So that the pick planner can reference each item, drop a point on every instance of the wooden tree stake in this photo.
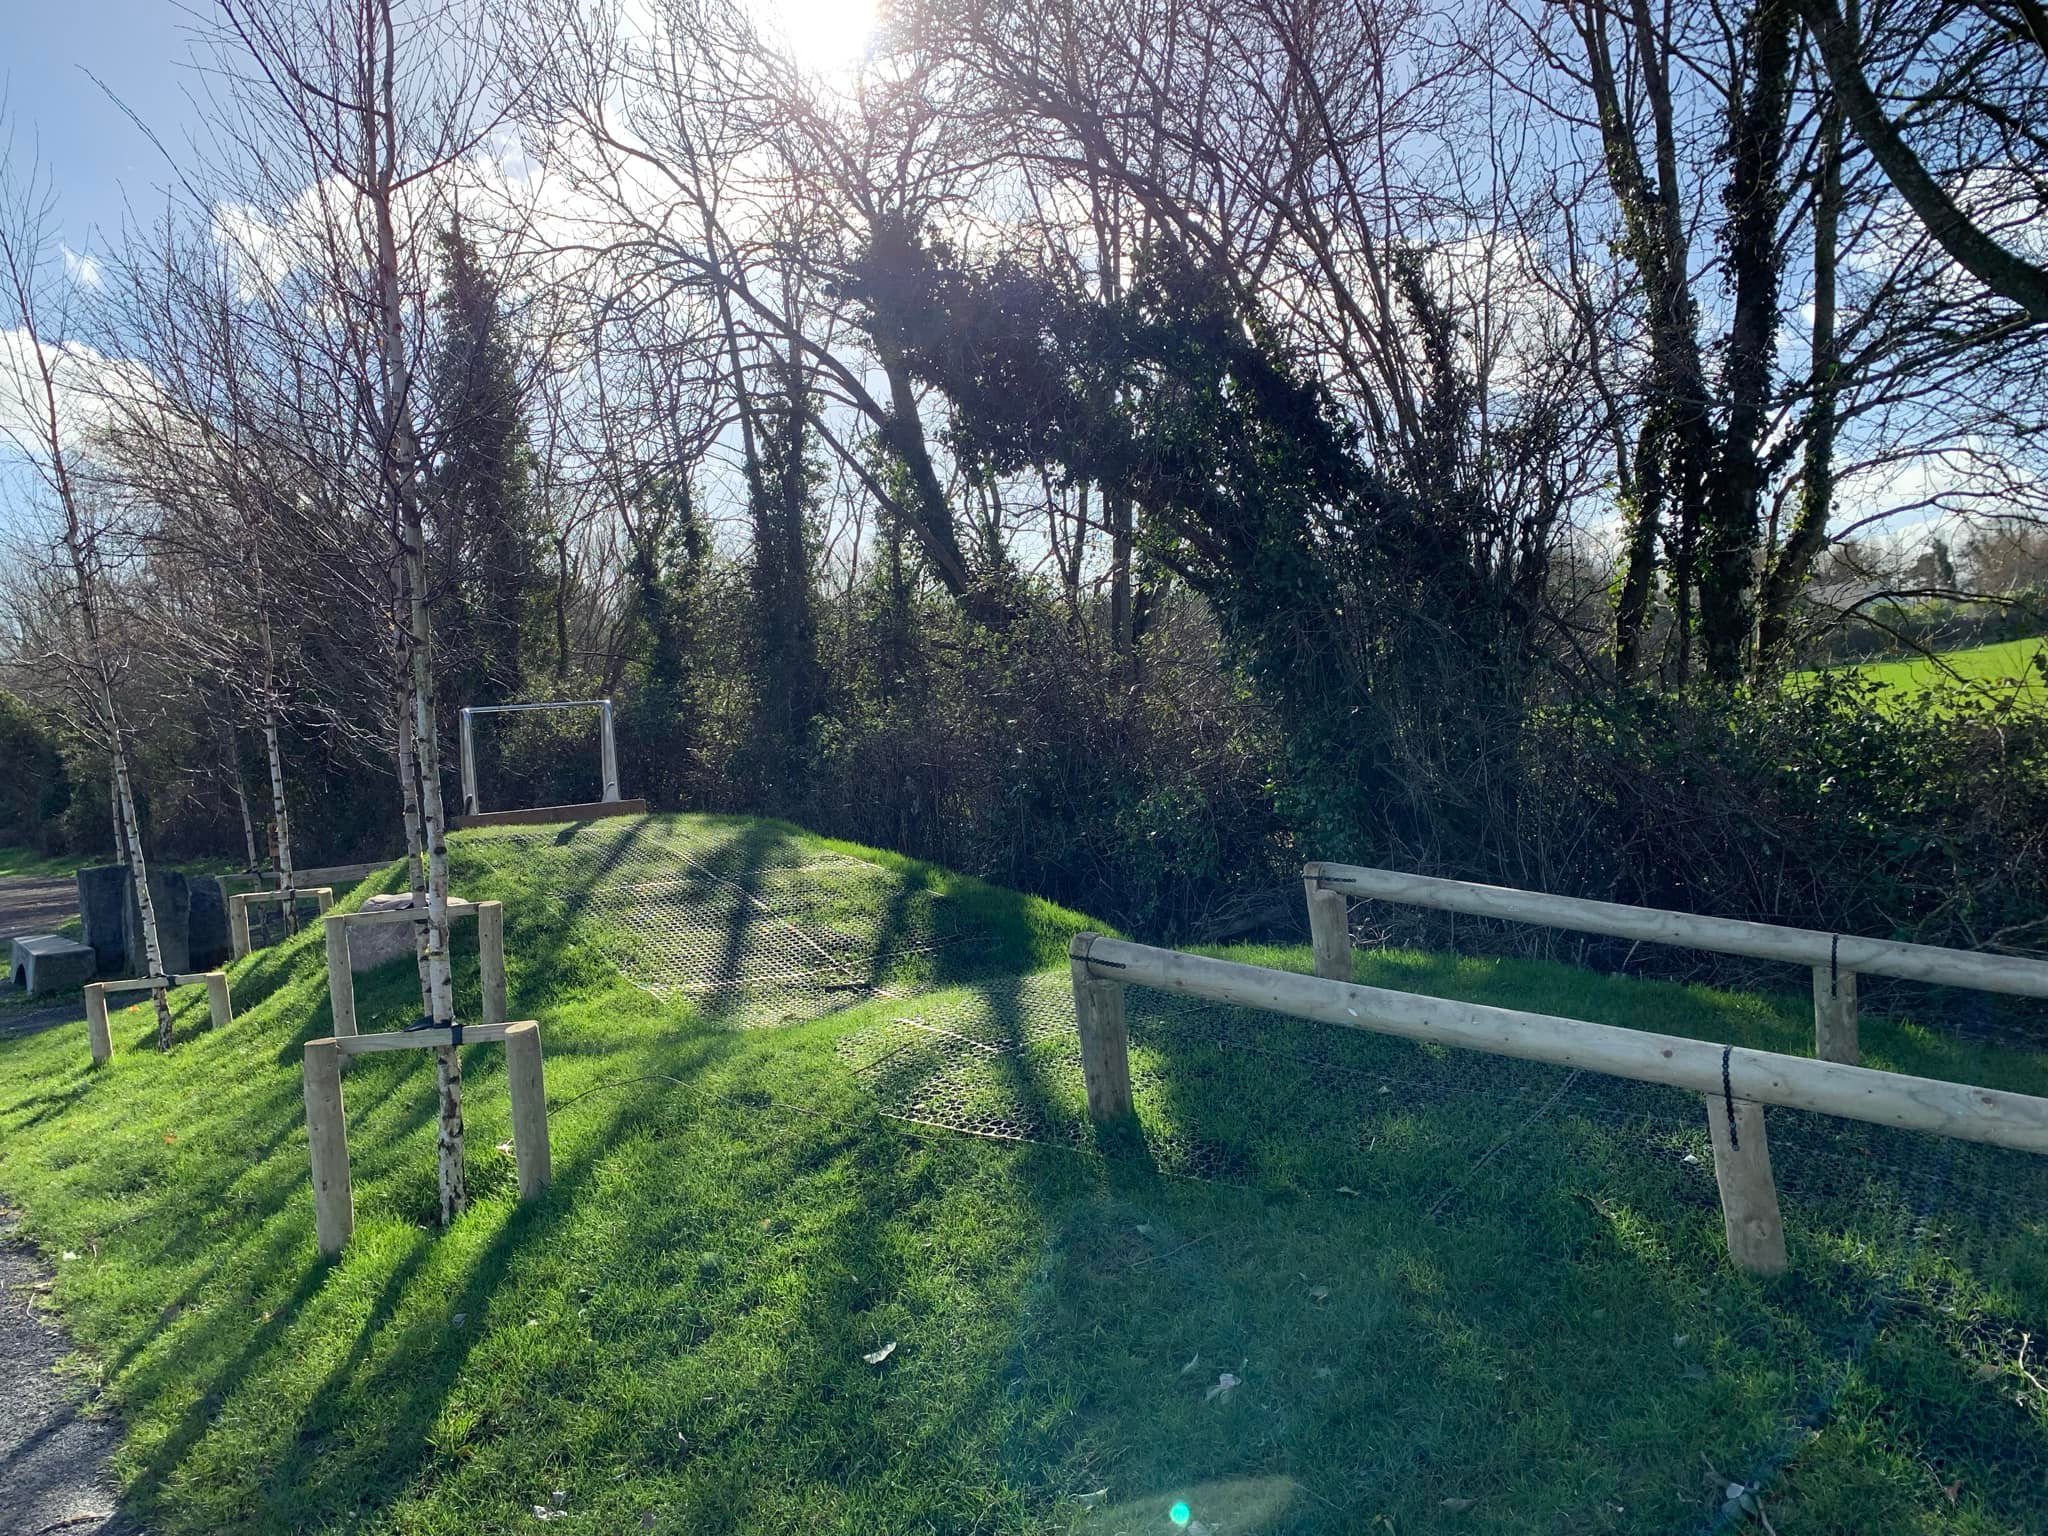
(341, 977)
(528, 1085)
(218, 1003)
(97, 1033)
(334, 1206)
(490, 951)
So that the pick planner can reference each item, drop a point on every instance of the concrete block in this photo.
(207, 931)
(373, 944)
(172, 895)
(46, 962)
(102, 911)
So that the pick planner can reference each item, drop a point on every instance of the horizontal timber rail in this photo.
(1735, 1082)
(1835, 958)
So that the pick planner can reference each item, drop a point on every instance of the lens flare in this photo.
(1180, 1514)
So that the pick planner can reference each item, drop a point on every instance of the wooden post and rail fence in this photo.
(1735, 1083)
(1835, 959)
(490, 945)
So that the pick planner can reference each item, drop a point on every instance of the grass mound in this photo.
(1412, 1292)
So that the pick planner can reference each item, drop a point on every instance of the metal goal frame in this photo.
(607, 746)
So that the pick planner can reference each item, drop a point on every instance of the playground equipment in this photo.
(473, 813)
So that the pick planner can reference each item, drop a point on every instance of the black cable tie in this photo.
(1728, 1098)
(1834, 965)
(454, 1032)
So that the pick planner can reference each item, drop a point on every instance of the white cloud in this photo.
(83, 267)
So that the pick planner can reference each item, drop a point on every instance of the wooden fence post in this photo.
(341, 976)
(1105, 1043)
(1329, 928)
(97, 1034)
(218, 1002)
(1749, 1198)
(490, 953)
(1834, 1015)
(334, 1206)
(528, 1084)
(238, 925)
(323, 899)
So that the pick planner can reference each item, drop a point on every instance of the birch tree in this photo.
(40, 425)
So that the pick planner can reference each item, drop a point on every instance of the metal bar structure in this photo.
(608, 752)
(1833, 958)
(1734, 1082)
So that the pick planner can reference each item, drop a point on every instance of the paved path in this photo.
(53, 1453)
(35, 906)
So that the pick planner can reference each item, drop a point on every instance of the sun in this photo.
(825, 35)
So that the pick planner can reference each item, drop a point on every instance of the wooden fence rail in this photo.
(1734, 1082)
(1834, 958)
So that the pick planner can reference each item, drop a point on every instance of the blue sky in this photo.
(91, 151)
(98, 163)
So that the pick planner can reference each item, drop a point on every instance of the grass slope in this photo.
(674, 1337)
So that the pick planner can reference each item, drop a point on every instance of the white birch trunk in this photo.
(281, 819)
(234, 766)
(399, 438)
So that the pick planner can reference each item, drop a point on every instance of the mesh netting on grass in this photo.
(760, 928)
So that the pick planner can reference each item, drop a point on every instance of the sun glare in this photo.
(825, 35)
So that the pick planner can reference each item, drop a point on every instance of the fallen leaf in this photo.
(881, 1354)
(1319, 1294)
(1953, 1489)
(1224, 1383)
(1458, 1506)
(1346, 1189)
(1090, 1500)
(1144, 1229)
(505, 1147)
(1989, 1372)
(170, 1138)
(1191, 1365)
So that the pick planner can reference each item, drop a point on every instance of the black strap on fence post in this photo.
(1728, 1099)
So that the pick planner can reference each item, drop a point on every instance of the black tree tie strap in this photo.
(1728, 1098)
(1834, 965)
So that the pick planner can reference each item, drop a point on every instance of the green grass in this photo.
(26, 863)
(674, 1335)
(2011, 670)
